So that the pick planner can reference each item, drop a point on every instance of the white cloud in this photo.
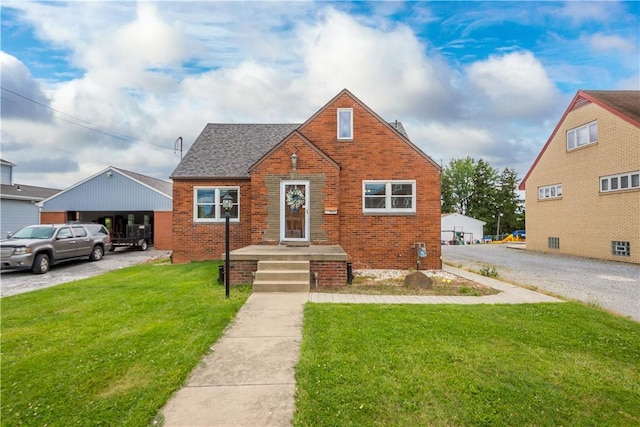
(605, 43)
(389, 66)
(515, 85)
(22, 96)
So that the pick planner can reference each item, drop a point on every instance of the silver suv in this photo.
(37, 247)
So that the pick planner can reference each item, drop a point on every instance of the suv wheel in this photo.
(41, 264)
(96, 253)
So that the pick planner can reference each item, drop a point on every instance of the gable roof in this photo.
(165, 188)
(305, 141)
(397, 127)
(228, 150)
(622, 103)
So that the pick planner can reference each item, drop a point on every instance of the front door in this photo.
(294, 211)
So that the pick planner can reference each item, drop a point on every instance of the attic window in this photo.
(345, 124)
(582, 135)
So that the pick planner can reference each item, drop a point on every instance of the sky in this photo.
(92, 84)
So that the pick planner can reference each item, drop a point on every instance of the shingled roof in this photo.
(164, 187)
(626, 102)
(227, 150)
(27, 192)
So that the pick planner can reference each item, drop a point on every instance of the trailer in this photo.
(136, 235)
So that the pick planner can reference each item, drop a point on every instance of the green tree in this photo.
(457, 185)
(476, 189)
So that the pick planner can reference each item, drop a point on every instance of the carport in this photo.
(118, 199)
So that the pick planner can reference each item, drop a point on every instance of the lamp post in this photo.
(498, 228)
(227, 204)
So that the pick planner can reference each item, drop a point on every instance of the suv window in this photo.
(96, 229)
(64, 233)
(79, 231)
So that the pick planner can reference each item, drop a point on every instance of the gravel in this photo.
(614, 286)
(19, 281)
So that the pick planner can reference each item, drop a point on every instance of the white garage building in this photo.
(460, 229)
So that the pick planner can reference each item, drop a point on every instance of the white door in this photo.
(294, 211)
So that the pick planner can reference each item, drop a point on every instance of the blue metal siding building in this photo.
(116, 198)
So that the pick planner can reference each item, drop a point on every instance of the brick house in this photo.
(345, 182)
(583, 190)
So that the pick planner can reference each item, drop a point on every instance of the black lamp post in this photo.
(227, 204)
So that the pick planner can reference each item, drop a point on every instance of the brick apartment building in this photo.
(344, 177)
(583, 191)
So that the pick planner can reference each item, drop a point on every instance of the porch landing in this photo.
(282, 252)
(271, 268)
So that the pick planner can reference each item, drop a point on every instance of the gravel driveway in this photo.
(613, 286)
(17, 282)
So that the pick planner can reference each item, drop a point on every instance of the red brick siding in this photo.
(330, 273)
(310, 162)
(53, 217)
(377, 153)
(163, 230)
(197, 241)
(241, 272)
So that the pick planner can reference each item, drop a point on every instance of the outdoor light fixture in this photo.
(294, 161)
(227, 204)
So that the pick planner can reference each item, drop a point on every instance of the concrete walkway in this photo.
(248, 378)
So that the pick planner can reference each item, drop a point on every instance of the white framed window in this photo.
(620, 182)
(345, 123)
(582, 135)
(389, 197)
(550, 192)
(207, 204)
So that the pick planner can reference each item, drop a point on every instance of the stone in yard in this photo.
(418, 280)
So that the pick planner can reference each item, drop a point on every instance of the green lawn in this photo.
(509, 365)
(109, 350)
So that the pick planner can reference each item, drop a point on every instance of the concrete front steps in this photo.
(282, 276)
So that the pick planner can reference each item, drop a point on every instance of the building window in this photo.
(554, 243)
(550, 192)
(620, 248)
(345, 123)
(389, 197)
(620, 182)
(207, 205)
(582, 135)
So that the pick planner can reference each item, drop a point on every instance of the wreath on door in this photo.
(294, 199)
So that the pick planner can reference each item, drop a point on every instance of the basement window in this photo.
(554, 243)
(620, 248)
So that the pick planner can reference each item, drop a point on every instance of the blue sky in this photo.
(90, 84)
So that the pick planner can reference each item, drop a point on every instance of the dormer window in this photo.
(345, 124)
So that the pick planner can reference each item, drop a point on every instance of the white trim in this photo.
(218, 214)
(547, 192)
(307, 210)
(389, 209)
(575, 143)
(350, 136)
(630, 176)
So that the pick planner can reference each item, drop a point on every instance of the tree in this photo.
(457, 185)
(476, 189)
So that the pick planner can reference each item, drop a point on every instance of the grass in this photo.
(109, 350)
(508, 365)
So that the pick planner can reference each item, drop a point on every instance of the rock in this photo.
(418, 280)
